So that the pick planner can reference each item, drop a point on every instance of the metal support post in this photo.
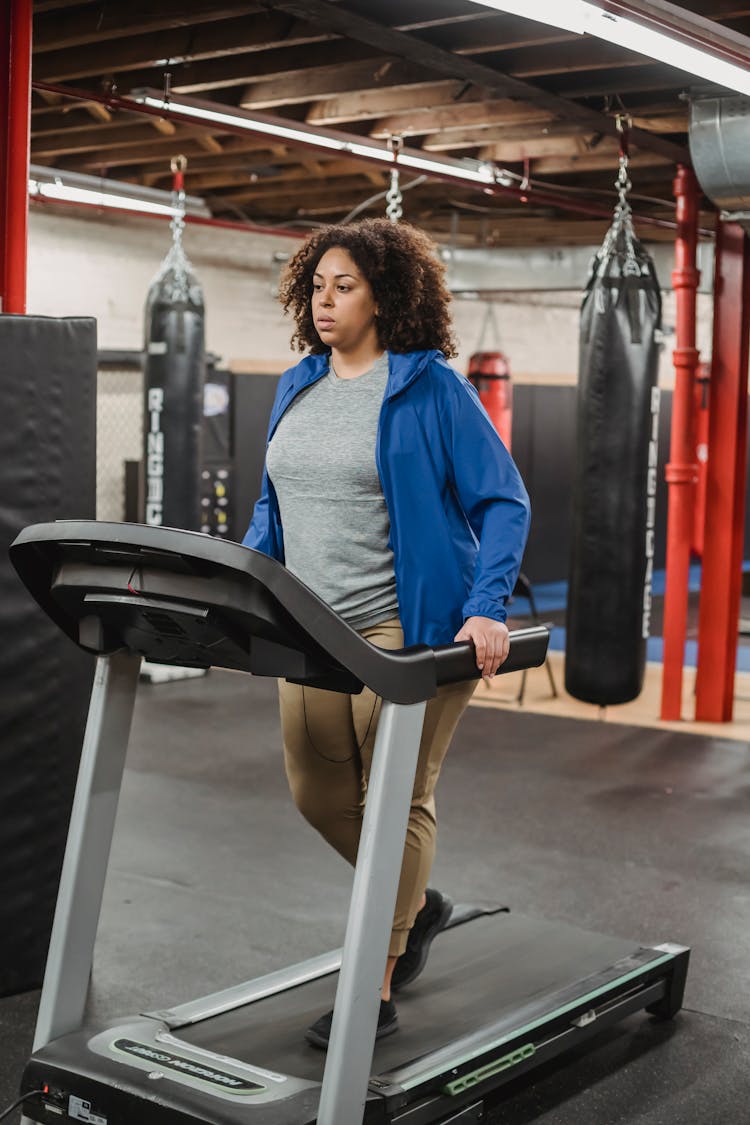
(15, 84)
(373, 901)
(725, 487)
(92, 822)
(682, 471)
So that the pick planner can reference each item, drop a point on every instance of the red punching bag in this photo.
(489, 372)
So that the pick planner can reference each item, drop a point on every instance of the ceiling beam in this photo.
(356, 106)
(541, 136)
(651, 79)
(369, 76)
(333, 18)
(98, 136)
(584, 54)
(225, 38)
(205, 75)
(156, 152)
(98, 22)
(588, 162)
(294, 175)
(265, 43)
(478, 114)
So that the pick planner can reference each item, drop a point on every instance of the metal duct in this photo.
(719, 139)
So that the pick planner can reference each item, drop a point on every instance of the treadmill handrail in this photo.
(404, 676)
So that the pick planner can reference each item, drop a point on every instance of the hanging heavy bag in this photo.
(614, 484)
(175, 363)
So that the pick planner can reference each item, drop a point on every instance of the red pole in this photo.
(701, 406)
(682, 471)
(15, 80)
(721, 579)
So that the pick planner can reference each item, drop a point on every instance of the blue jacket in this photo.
(458, 510)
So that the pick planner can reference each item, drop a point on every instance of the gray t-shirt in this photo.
(321, 462)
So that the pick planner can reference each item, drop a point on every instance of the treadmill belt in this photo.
(478, 972)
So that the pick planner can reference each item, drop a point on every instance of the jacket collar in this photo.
(403, 369)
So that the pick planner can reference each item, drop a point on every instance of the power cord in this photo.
(19, 1101)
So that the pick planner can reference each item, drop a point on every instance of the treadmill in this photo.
(501, 994)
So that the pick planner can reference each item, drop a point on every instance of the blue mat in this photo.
(552, 596)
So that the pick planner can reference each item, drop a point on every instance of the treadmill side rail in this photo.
(237, 996)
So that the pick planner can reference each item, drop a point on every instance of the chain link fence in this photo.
(119, 428)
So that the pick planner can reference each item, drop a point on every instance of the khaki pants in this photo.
(329, 739)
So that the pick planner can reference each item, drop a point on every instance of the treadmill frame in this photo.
(373, 900)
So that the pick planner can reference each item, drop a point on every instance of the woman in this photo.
(387, 491)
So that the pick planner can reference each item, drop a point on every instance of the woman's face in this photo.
(343, 306)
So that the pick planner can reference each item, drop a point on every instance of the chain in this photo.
(176, 264)
(178, 164)
(621, 232)
(394, 198)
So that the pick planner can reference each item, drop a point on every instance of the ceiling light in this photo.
(73, 187)
(666, 46)
(328, 140)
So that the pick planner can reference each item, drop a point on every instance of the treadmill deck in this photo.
(482, 972)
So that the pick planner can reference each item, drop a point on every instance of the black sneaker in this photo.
(320, 1032)
(431, 919)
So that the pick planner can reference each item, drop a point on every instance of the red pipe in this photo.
(532, 194)
(721, 580)
(702, 411)
(15, 60)
(682, 471)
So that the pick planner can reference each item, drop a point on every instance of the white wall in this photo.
(102, 266)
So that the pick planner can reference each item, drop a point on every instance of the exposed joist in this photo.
(281, 178)
(663, 122)
(587, 162)
(584, 54)
(156, 153)
(475, 114)
(280, 41)
(53, 5)
(241, 69)
(529, 140)
(129, 136)
(492, 33)
(166, 128)
(99, 22)
(209, 143)
(299, 199)
(356, 106)
(456, 66)
(620, 82)
(651, 79)
(369, 76)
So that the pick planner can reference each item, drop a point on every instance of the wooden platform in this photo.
(643, 711)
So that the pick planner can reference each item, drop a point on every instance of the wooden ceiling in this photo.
(452, 78)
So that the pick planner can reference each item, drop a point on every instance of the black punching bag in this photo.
(175, 362)
(614, 484)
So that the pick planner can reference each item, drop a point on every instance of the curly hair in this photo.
(404, 272)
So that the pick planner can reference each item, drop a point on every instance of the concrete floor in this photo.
(640, 833)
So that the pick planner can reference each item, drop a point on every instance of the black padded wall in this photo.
(48, 465)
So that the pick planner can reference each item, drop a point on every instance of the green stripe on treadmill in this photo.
(426, 1075)
(466, 1081)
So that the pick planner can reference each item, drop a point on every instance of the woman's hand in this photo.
(491, 641)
